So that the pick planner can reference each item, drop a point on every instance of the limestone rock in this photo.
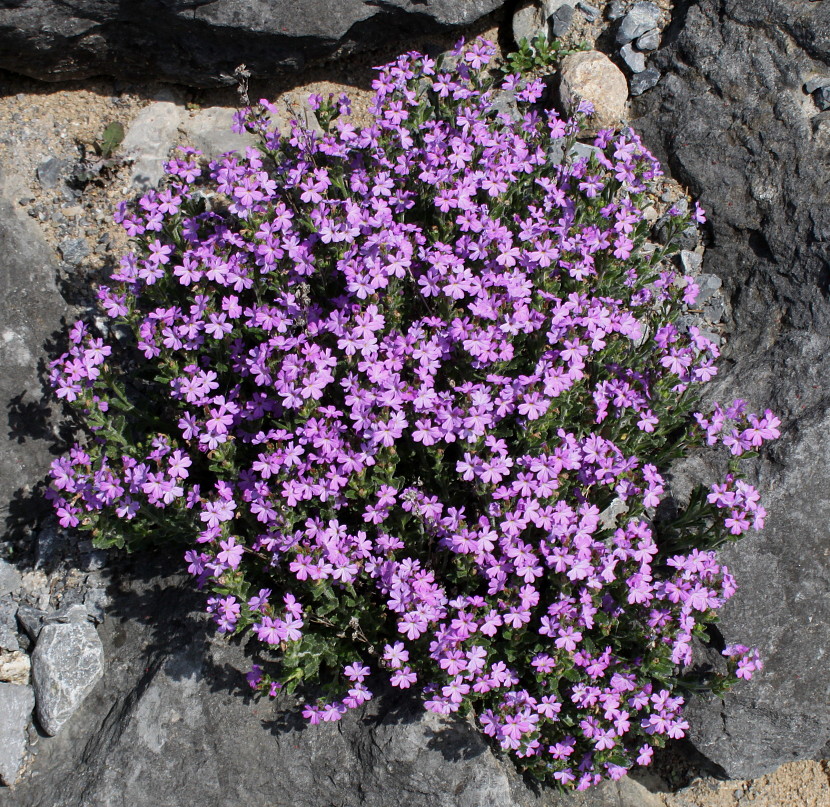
(592, 76)
(67, 663)
(149, 140)
(15, 667)
(9, 578)
(16, 704)
(529, 20)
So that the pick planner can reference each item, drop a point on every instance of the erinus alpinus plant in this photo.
(408, 393)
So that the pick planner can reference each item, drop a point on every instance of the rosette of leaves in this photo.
(407, 393)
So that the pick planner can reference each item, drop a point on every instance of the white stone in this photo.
(67, 663)
(209, 130)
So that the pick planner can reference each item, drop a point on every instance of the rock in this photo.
(96, 601)
(731, 112)
(67, 663)
(31, 312)
(636, 61)
(73, 614)
(201, 45)
(811, 85)
(149, 140)
(16, 704)
(9, 578)
(591, 12)
(529, 21)
(73, 250)
(561, 20)
(31, 620)
(649, 41)
(592, 76)
(52, 544)
(209, 130)
(49, 172)
(690, 262)
(642, 18)
(616, 10)
(822, 98)
(34, 588)
(15, 667)
(8, 624)
(645, 80)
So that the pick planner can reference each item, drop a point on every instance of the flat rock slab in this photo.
(201, 44)
(16, 704)
(67, 663)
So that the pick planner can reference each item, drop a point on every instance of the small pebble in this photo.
(650, 40)
(634, 59)
(640, 82)
(49, 172)
(642, 18)
(73, 250)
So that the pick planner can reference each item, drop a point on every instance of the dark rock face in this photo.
(30, 312)
(172, 723)
(731, 119)
(201, 43)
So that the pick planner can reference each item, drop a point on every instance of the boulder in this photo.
(732, 121)
(201, 44)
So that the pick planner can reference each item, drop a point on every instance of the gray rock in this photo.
(202, 44)
(73, 250)
(73, 614)
(591, 12)
(640, 82)
(16, 704)
(31, 311)
(31, 620)
(822, 98)
(691, 262)
(67, 663)
(649, 41)
(149, 141)
(636, 61)
(209, 130)
(642, 18)
(751, 152)
(52, 544)
(9, 578)
(50, 171)
(561, 20)
(616, 10)
(815, 82)
(529, 21)
(96, 601)
(8, 625)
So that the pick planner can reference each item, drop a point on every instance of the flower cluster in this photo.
(409, 392)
